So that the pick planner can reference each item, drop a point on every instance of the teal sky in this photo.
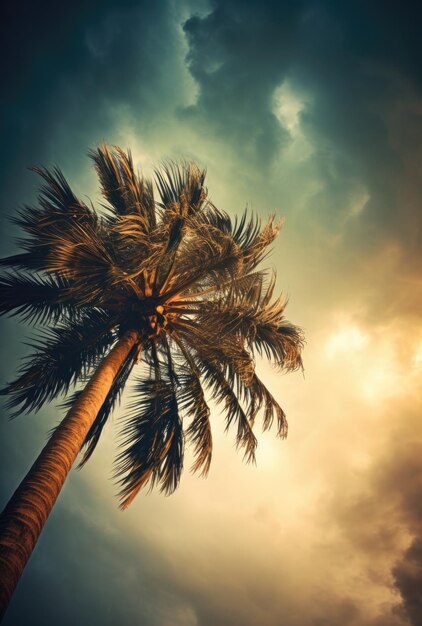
(309, 109)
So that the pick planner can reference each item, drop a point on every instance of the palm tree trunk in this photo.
(26, 513)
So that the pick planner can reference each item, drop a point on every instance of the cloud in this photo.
(359, 119)
(380, 514)
(408, 579)
(76, 72)
(238, 54)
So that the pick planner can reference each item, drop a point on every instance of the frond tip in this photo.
(159, 260)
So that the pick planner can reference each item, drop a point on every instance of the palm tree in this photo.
(173, 283)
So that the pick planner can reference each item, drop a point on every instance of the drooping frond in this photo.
(193, 403)
(222, 392)
(63, 355)
(194, 406)
(152, 440)
(225, 367)
(263, 399)
(253, 314)
(283, 344)
(36, 298)
(228, 351)
(58, 210)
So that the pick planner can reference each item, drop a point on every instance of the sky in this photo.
(310, 109)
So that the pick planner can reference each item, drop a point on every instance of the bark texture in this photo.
(27, 511)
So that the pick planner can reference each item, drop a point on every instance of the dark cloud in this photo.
(357, 63)
(408, 579)
(358, 96)
(380, 509)
(238, 54)
(69, 69)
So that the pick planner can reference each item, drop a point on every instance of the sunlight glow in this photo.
(347, 339)
(381, 384)
(418, 356)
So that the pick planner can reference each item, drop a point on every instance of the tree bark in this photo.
(28, 509)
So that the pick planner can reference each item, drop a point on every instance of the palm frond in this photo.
(192, 401)
(124, 190)
(37, 299)
(58, 210)
(86, 258)
(261, 398)
(139, 253)
(256, 248)
(64, 354)
(193, 404)
(283, 344)
(210, 258)
(253, 314)
(57, 197)
(152, 441)
(222, 348)
(181, 189)
(243, 230)
(32, 261)
(222, 392)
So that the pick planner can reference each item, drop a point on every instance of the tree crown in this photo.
(173, 267)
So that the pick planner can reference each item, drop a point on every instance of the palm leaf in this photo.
(57, 197)
(262, 398)
(153, 441)
(243, 230)
(107, 165)
(58, 210)
(124, 190)
(64, 354)
(192, 402)
(211, 258)
(181, 189)
(36, 298)
(222, 392)
(251, 313)
(33, 260)
(255, 250)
